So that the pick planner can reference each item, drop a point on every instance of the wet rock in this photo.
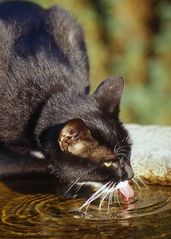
(151, 153)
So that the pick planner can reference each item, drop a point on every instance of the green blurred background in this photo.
(131, 38)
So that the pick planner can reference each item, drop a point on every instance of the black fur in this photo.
(44, 83)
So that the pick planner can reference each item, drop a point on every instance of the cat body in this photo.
(45, 104)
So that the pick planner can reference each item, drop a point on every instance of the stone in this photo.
(151, 153)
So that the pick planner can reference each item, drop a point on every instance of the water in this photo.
(35, 209)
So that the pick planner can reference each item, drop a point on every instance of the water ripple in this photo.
(48, 215)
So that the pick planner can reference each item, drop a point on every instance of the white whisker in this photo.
(95, 195)
(114, 195)
(122, 150)
(133, 164)
(117, 198)
(87, 208)
(111, 196)
(136, 183)
(122, 155)
(142, 182)
(109, 201)
(72, 185)
(77, 190)
(104, 195)
(116, 148)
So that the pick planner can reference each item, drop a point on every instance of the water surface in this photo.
(34, 208)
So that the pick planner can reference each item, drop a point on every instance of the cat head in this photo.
(90, 145)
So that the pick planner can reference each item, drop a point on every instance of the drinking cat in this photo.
(46, 111)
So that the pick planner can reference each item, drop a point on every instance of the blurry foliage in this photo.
(131, 38)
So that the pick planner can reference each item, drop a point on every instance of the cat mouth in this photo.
(124, 188)
(104, 191)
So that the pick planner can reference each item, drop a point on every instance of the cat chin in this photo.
(95, 185)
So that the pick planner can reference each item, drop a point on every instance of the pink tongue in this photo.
(126, 190)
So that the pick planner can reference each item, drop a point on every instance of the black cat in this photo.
(45, 109)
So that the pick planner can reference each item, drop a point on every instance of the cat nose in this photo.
(129, 172)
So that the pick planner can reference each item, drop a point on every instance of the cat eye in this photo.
(108, 164)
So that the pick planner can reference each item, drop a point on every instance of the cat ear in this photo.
(72, 135)
(109, 93)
